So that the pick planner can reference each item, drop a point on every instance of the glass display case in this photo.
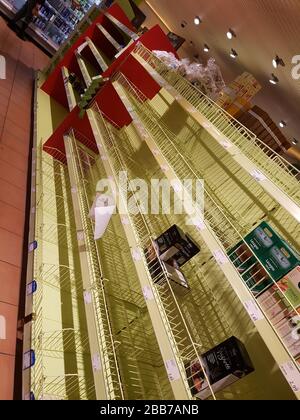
(56, 20)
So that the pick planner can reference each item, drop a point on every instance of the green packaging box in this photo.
(273, 252)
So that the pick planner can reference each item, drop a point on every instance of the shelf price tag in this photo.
(258, 176)
(32, 246)
(147, 292)
(253, 310)
(226, 144)
(220, 257)
(136, 254)
(28, 359)
(292, 375)
(87, 297)
(172, 370)
(96, 362)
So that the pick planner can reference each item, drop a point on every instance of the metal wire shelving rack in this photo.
(224, 233)
(265, 166)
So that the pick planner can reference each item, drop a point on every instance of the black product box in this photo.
(224, 364)
(187, 252)
(170, 242)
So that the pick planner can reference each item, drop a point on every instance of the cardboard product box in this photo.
(179, 282)
(290, 286)
(289, 331)
(269, 298)
(187, 252)
(170, 242)
(224, 364)
(256, 278)
(273, 252)
(241, 256)
(253, 274)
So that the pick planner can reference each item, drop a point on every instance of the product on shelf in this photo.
(253, 274)
(175, 244)
(284, 318)
(273, 252)
(208, 78)
(237, 96)
(160, 269)
(224, 364)
(290, 286)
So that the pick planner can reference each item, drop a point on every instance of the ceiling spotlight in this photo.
(206, 48)
(274, 80)
(282, 124)
(277, 61)
(233, 53)
(295, 141)
(231, 34)
(197, 20)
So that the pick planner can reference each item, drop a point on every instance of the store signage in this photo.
(2, 67)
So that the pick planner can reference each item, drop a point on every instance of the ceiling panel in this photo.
(264, 28)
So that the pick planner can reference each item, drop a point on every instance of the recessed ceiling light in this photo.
(295, 141)
(233, 53)
(206, 48)
(277, 61)
(183, 24)
(282, 124)
(231, 34)
(274, 80)
(197, 20)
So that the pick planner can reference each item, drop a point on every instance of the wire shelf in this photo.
(226, 231)
(80, 166)
(184, 346)
(274, 166)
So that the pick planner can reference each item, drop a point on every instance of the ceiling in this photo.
(264, 28)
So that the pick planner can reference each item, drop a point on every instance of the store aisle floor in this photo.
(22, 59)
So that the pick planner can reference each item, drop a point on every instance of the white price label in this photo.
(147, 292)
(258, 176)
(206, 125)
(220, 257)
(33, 210)
(125, 221)
(164, 168)
(96, 362)
(172, 370)
(292, 375)
(80, 236)
(226, 145)
(198, 223)
(103, 157)
(99, 145)
(136, 254)
(87, 297)
(253, 310)
(156, 152)
(74, 190)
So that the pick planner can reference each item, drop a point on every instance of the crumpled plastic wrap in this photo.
(207, 78)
